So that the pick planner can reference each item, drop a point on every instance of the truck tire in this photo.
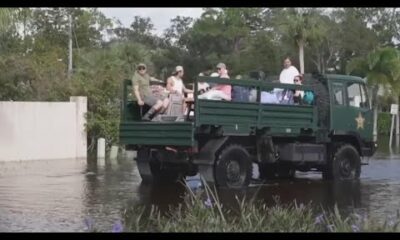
(233, 168)
(321, 100)
(151, 169)
(344, 165)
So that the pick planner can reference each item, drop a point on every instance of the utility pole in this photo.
(70, 47)
(394, 110)
(397, 130)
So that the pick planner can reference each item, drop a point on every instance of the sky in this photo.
(160, 17)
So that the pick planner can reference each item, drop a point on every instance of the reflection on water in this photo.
(59, 195)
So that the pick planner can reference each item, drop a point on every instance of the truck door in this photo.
(350, 110)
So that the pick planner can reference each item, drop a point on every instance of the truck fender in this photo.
(350, 137)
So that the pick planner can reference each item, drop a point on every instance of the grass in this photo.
(202, 211)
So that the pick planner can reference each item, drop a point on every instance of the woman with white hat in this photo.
(175, 82)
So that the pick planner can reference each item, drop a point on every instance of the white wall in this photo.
(42, 130)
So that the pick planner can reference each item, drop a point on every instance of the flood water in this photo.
(58, 195)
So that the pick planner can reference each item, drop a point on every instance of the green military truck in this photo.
(223, 139)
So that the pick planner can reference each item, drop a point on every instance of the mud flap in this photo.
(207, 172)
(206, 158)
(265, 150)
(143, 165)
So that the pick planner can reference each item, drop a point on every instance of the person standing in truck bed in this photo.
(175, 85)
(289, 72)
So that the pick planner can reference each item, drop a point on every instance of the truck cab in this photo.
(224, 139)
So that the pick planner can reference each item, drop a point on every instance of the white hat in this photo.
(178, 68)
(221, 65)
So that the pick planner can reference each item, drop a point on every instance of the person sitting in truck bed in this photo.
(219, 91)
(302, 97)
(143, 94)
(203, 87)
(290, 96)
(278, 95)
(298, 94)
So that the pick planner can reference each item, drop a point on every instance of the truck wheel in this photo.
(345, 165)
(233, 168)
(152, 169)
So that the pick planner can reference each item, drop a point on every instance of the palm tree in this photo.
(382, 69)
(300, 25)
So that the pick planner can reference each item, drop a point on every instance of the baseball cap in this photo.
(141, 65)
(178, 68)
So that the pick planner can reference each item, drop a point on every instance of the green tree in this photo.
(178, 31)
(354, 37)
(140, 31)
(6, 18)
(51, 27)
(225, 35)
(323, 48)
(300, 26)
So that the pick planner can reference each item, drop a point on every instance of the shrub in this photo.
(384, 122)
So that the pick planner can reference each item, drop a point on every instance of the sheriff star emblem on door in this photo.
(360, 121)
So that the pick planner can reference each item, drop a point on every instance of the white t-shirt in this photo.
(288, 74)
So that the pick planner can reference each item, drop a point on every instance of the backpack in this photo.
(308, 97)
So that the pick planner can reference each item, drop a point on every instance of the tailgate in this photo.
(156, 133)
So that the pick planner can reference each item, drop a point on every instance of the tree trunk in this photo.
(319, 65)
(301, 55)
(236, 45)
(375, 123)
